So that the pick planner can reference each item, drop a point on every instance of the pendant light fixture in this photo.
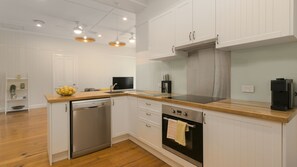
(85, 39)
(117, 43)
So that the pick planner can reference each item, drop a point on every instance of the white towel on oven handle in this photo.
(171, 129)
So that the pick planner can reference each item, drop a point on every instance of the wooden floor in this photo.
(23, 143)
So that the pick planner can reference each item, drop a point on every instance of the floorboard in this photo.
(23, 143)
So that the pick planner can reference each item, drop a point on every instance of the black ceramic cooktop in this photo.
(196, 99)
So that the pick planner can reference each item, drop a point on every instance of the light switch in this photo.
(248, 88)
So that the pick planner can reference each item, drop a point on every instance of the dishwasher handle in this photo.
(89, 104)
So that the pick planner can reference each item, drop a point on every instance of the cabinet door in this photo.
(235, 141)
(247, 21)
(204, 26)
(149, 133)
(162, 35)
(183, 23)
(119, 116)
(59, 127)
(132, 112)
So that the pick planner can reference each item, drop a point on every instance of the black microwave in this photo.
(123, 83)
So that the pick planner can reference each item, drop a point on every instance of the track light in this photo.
(78, 29)
(132, 38)
(39, 23)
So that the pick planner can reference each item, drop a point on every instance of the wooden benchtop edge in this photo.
(259, 110)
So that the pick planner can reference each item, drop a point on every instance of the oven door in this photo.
(193, 151)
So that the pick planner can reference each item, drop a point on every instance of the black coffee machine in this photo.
(166, 84)
(166, 87)
(282, 94)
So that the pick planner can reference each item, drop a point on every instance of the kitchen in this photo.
(239, 64)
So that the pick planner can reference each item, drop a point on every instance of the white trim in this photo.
(33, 106)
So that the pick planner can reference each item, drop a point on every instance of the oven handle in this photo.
(189, 125)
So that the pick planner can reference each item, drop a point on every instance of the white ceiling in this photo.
(99, 16)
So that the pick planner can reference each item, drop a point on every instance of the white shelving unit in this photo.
(21, 94)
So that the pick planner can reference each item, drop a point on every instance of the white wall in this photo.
(149, 73)
(2, 94)
(258, 66)
(22, 53)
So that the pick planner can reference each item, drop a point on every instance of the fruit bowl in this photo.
(66, 91)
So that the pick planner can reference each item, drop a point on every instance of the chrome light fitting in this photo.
(78, 29)
(132, 39)
(39, 23)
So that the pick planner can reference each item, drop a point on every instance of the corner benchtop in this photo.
(260, 110)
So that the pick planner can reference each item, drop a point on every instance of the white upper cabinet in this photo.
(184, 23)
(162, 35)
(243, 23)
(195, 22)
(204, 20)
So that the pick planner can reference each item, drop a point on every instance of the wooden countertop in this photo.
(259, 110)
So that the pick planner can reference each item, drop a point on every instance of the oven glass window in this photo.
(194, 139)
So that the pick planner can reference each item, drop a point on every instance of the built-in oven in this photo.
(192, 149)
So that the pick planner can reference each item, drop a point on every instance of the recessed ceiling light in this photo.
(39, 23)
(85, 37)
(125, 18)
(99, 35)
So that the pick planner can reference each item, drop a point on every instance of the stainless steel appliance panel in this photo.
(193, 150)
(90, 126)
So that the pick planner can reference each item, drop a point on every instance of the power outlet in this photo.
(248, 88)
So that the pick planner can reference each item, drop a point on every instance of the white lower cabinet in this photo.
(59, 130)
(119, 116)
(150, 133)
(149, 127)
(229, 140)
(132, 114)
(236, 141)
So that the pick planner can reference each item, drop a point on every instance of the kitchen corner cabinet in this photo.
(162, 36)
(195, 22)
(243, 23)
(58, 127)
(231, 140)
(132, 112)
(119, 116)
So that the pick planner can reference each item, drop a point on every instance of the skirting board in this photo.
(34, 106)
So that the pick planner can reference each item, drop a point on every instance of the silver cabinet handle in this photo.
(218, 39)
(194, 38)
(147, 125)
(148, 114)
(204, 118)
(66, 107)
(172, 49)
(190, 36)
(148, 104)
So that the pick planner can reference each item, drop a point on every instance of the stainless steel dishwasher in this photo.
(90, 126)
